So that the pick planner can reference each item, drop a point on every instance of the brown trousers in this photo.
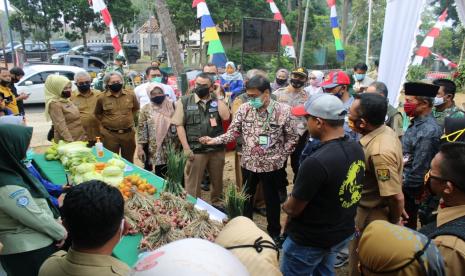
(124, 142)
(259, 198)
(194, 171)
(362, 219)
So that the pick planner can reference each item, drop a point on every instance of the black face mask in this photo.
(115, 87)
(281, 81)
(84, 88)
(158, 99)
(4, 83)
(202, 91)
(66, 94)
(297, 83)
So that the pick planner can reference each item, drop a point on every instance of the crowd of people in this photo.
(386, 196)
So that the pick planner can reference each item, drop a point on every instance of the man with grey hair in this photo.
(85, 98)
(282, 77)
(394, 118)
(115, 109)
(420, 143)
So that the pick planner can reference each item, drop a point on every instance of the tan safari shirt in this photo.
(116, 112)
(66, 122)
(452, 248)
(86, 105)
(383, 176)
(82, 264)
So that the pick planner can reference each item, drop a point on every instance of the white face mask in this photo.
(438, 101)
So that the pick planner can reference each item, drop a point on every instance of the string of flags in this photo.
(208, 27)
(99, 6)
(425, 49)
(286, 38)
(340, 53)
(444, 60)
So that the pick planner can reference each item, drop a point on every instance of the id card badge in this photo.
(264, 140)
(213, 122)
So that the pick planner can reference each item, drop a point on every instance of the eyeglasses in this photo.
(454, 136)
(429, 177)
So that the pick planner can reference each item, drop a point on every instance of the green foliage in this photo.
(234, 201)
(80, 18)
(459, 78)
(251, 61)
(123, 13)
(416, 73)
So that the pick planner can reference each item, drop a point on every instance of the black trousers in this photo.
(295, 156)
(160, 170)
(147, 162)
(26, 263)
(412, 204)
(271, 182)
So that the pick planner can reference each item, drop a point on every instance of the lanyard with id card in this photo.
(264, 140)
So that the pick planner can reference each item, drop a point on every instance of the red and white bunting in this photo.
(425, 48)
(100, 7)
(444, 60)
(286, 38)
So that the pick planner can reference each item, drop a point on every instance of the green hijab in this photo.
(14, 141)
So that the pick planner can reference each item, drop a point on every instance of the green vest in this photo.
(197, 122)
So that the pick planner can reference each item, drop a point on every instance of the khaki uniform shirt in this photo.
(26, 223)
(66, 122)
(86, 104)
(10, 98)
(452, 248)
(383, 176)
(293, 99)
(116, 112)
(76, 263)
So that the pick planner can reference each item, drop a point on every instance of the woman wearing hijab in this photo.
(61, 111)
(391, 250)
(155, 128)
(315, 78)
(28, 225)
(282, 80)
(232, 81)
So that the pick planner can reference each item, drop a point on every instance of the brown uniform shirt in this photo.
(84, 264)
(452, 248)
(66, 122)
(116, 112)
(383, 176)
(86, 104)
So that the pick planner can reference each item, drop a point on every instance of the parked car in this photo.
(60, 46)
(93, 65)
(105, 51)
(34, 79)
(34, 50)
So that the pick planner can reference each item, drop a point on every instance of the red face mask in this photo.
(410, 108)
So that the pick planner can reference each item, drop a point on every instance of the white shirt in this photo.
(367, 81)
(143, 98)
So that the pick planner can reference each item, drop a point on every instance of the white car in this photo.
(34, 79)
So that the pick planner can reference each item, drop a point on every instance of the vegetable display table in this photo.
(126, 250)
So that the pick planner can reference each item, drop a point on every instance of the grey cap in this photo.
(323, 106)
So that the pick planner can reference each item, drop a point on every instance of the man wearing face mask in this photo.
(93, 214)
(85, 99)
(420, 143)
(8, 96)
(362, 81)
(281, 81)
(201, 114)
(153, 75)
(115, 109)
(446, 179)
(269, 138)
(444, 104)
(382, 197)
(294, 95)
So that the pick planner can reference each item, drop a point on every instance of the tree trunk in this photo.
(84, 39)
(289, 5)
(299, 28)
(168, 31)
(347, 5)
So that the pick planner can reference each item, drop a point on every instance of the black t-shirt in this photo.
(331, 180)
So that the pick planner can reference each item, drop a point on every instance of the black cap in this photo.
(421, 89)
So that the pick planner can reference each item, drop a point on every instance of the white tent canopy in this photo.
(401, 25)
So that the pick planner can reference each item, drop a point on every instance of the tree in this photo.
(168, 31)
(16, 23)
(80, 17)
(43, 15)
(122, 12)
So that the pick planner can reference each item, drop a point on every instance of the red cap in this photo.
(335, 78)
(299, 111)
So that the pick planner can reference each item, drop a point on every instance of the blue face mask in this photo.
(157, 79)
(256, 102)
(359, 77)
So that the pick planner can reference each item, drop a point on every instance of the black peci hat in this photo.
(421, 89)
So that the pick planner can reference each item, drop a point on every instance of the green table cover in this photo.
(126, 250)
